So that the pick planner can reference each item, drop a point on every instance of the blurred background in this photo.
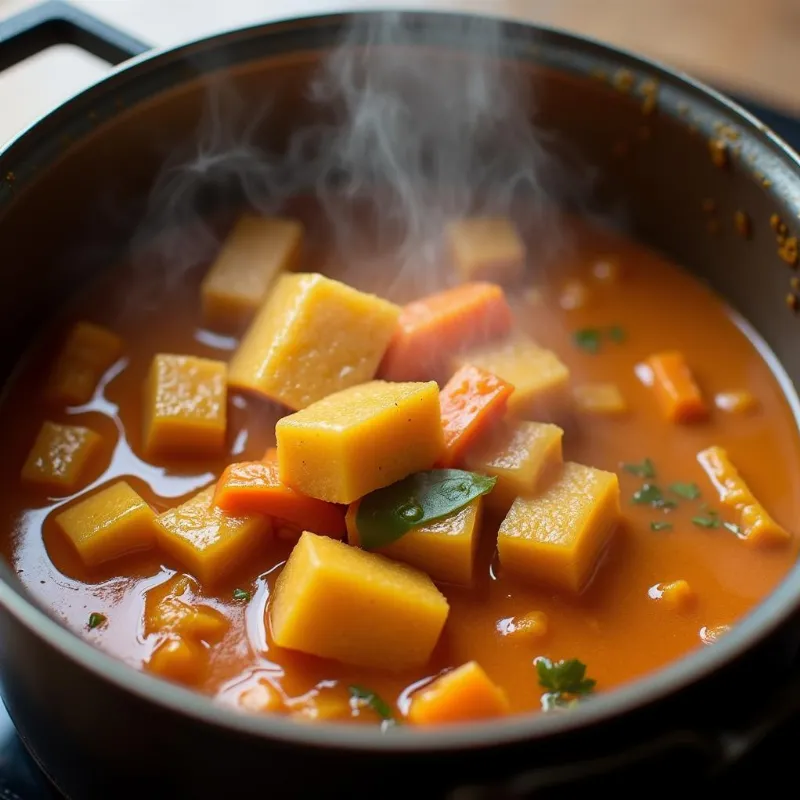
(751, 47)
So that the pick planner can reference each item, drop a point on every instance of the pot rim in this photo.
(768, 615)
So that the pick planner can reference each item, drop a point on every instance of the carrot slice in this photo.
(254, 487)
(463, 695)
(675, 389)
(472, 402)
(433, 328)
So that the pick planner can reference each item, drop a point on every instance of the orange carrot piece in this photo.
(472, 402)
(463, 695)
(254, 487)
(674, 386)
(430, 330)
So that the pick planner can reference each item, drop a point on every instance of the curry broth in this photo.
(616, 628)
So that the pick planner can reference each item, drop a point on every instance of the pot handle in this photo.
(57, 22)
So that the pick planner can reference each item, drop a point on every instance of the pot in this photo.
(73, 189)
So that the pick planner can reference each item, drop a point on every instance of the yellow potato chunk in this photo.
(676, 595)
(312, 337)
(520, 455)
(339, 602)
(445, 549)
(487, 249)
(755, 525)
(602, 399)
(256, 251)
(539, 378)
(205, 540)
(173, 607)
(185, 407)
(88, 352)
(60, 455)
(108, 524)
(179, 659)
(360, 439)
(557, 537)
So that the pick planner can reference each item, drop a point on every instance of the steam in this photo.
(412, 137)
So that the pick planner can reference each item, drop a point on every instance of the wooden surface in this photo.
(752, 46)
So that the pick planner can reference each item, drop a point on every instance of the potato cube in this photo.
(205, 540)
(601, 399)
(108, 524)
(487, 248)
(256, 251)
(60, 455)
(445, 549)
(312, 337)
(179, 659)
(172, 607)
(360, 439)
(86, 355)
(339, 602)
(185, 407)
(539, 377)
(519, 456)
(557, 537)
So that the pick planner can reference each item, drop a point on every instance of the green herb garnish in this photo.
(689, 491)
(587, 339)
(647, 469)
(616, 334)
(710, 520)
(660, 526)
(241, 594)
(374, 701)
(95, 620)
(565, 681)
(733, 528)
(649, 494)
(387, 514)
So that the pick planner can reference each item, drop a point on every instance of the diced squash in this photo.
(673, 384)
(557, 537)
(604, 399)
(675, 595)
(312, 337)
(206, 540)
(185, 409)
(255, 252)
(108, 524)
(339, 602)
(255, 487)
(487, 248)
(172, 607)
(60, 456)
(756, 526)
(466, 694)
(261, 698)
(472, 402)
(430, 330)
(539, 378)
(529, 627)
(360, 439)
(86, 355)
(736, 402)
(444, 549)
(179, 659)
(520, 455)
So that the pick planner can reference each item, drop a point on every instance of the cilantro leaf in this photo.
(241, 595)
(646, 469)
(649, 494)
(587, 339)
(689, 491)
(565, 677)
(711, 520)
(374, 701)
(95, 620)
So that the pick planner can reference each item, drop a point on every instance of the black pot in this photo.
(72, 190)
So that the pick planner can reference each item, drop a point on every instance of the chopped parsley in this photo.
(95, 620)
(709, 520)
(660, 526)
(241, 595)
(591, 339)
(565, 681)
(374, 701)
(649, 495)
(689, 491)
(647, 469)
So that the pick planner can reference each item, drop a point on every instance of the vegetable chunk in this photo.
(601, 399)
(465, 694)
(557, 537)
(255, 487)
(206, 540)
(487, 248)
(756, 526)
(430, 330)
(173, 607)
(472, 403)
(86, 355)
(312, 337)
(673, 384)
(539, 378)
(185, 406)
(256, 251)
(444, 549)
(519, 456)
(339, 602)
(60, 455)
(360, 439)
(108, 524)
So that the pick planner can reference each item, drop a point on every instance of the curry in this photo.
(277, 485)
